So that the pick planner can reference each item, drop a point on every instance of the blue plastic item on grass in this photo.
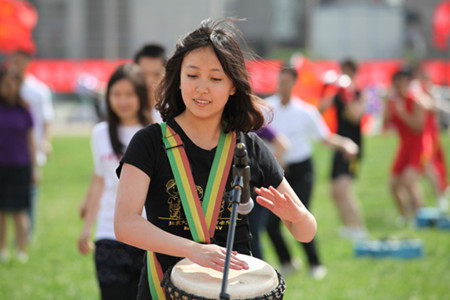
(428, 216)
(407, 249)
(401, 249)
(443, 223)
(371, 248)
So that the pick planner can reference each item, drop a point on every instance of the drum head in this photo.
(258, 280)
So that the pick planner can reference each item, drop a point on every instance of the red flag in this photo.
(441, 25)
(309, 84)
(17, 20)
(263, 75)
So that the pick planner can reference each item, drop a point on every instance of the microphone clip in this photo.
(238, 183)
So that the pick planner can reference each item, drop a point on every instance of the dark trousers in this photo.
(301, 177)
(118, 269)
(258, 219)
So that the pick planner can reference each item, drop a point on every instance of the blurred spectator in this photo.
(152, 59)
(435, 168)
(301, 123)
(118, 265)
(350, 108)
(17, 162)
(39, 98)
(408, 117)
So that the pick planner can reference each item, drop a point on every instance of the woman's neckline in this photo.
(185, 137)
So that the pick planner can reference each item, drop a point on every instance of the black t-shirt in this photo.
(344, 126)
(163, 205)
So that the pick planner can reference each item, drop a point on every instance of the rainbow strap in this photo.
(202, 218)
(155, 276)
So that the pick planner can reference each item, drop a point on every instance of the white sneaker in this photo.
(443, 204)
(318, 272)
(290, 267)
(22, 257)
(4, 256)
(401, 222)
(353, 233)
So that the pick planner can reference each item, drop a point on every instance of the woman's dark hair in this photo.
(133, 73)
(291, 71)
(5, 71)
(243, 110)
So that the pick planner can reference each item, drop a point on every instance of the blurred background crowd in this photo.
(77, 44)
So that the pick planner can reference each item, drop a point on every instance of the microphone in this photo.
(240, 163)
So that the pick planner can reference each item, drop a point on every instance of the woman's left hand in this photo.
(284, 203)
(281, 204)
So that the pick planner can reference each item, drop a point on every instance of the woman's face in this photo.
(124, 101)
(205, 87)
(401, 86)
(9, 87)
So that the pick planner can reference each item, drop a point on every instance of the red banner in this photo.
(80, 76)
(62, 75)
(377, 72)
(17, 20)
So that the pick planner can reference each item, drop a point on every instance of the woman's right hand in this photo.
(213, 256)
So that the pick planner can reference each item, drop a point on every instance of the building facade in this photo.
(330, 29)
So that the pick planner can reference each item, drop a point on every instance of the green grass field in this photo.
(57, 271)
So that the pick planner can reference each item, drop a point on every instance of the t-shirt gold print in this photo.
(174, 200)
(221, 220)
(175, 207)
(174, 203)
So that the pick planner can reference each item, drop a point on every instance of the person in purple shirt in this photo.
(17, 162)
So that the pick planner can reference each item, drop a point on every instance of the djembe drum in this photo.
(189, 281)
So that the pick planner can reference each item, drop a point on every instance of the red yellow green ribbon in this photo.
(201, 217)
(155, 276)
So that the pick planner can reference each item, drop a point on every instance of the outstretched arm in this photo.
(89, 211)
(349, 148)
(284, 203)
(131, 228)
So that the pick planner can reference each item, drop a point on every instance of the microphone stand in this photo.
(238, 185)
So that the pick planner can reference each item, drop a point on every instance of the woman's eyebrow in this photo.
(195, 67)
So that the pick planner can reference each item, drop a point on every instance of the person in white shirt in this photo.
(302, 124)
(39, 98)
(118, 265)
(152, 60)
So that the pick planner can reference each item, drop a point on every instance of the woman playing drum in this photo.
(205, 99)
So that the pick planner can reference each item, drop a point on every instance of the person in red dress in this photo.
(407, 115)
(435, 169)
